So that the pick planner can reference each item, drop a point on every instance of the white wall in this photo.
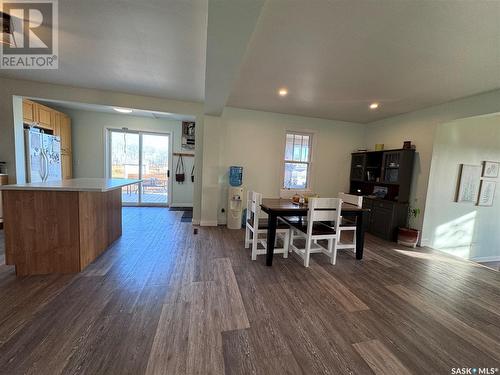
(11, 140)
(463, 229)
(88, 145)
(336, 140)
(420, 127)
(212, 147)
(256, 141)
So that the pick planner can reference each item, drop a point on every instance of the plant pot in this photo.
(408, 237)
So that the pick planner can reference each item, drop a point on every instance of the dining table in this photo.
(277, 207)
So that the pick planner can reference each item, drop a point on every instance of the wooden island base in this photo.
(59, 231)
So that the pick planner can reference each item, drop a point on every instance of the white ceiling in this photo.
(148, 47)
(230, 27)
(336, 57)
(109, 109)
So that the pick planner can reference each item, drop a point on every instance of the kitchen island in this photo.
(61, 226)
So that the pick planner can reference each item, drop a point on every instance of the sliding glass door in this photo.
(124, 151)
(144, 156)
(154, 153)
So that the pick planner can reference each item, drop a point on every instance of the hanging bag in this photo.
(180, 176)
(192, 174)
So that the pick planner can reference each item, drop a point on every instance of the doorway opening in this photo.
(145, 156)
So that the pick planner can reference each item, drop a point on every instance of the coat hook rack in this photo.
(182, 154)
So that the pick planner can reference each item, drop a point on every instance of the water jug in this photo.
(235, 175)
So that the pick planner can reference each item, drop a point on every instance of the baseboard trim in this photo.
(208, 223)
(183, 205)
(486, 259)
(195, 222)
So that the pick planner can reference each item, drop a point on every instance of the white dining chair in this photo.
(256, 228)
(348, 225)
(312, 229)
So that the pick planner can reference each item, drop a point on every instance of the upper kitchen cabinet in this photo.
(28, 111)
(43, 116)
(65, 131)
(37, 115)
(56, 123)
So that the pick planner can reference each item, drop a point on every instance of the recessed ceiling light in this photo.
(122, 110)
(374, 106)
(283, 92)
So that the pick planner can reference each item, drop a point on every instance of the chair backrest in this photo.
(249, 204)
(254, 201)
(352, 199)
(324, 209)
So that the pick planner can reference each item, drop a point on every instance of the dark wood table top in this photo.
(286, 205)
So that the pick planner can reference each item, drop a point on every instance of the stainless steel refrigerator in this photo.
(43, 156)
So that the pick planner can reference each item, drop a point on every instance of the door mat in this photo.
(180, 208)
(187, 216)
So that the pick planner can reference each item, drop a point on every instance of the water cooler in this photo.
(235, 198)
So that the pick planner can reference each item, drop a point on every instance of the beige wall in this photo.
(463, 229)
(420, 127)
(212, 146)
(88, 145)
(256, 141)
(11, 137)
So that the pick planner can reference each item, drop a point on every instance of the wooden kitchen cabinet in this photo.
(28, 111)
(44, 116)
(67, 166)
(4, 180)
(38, 115)
(66, 149)
(56, 123)
(65, 133)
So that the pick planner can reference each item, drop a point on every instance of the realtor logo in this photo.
(29, 37)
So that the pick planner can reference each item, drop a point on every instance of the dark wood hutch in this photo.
(384, 179)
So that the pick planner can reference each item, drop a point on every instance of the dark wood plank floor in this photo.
(164, 301)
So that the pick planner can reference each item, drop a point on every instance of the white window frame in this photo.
(308, 188)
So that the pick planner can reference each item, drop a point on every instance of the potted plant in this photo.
(408, 236)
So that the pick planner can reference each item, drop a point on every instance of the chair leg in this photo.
(255, 243)
(332, 249)
(247, 237)
(290, 241)
(307, 252)
(354, 241)
(286, 244)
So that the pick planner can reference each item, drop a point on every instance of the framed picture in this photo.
(188, 135)
(486, 193)
(490, 169)
(468, 183)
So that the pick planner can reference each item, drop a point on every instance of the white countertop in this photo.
(76, 184)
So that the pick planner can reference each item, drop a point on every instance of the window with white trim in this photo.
(298, 148)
